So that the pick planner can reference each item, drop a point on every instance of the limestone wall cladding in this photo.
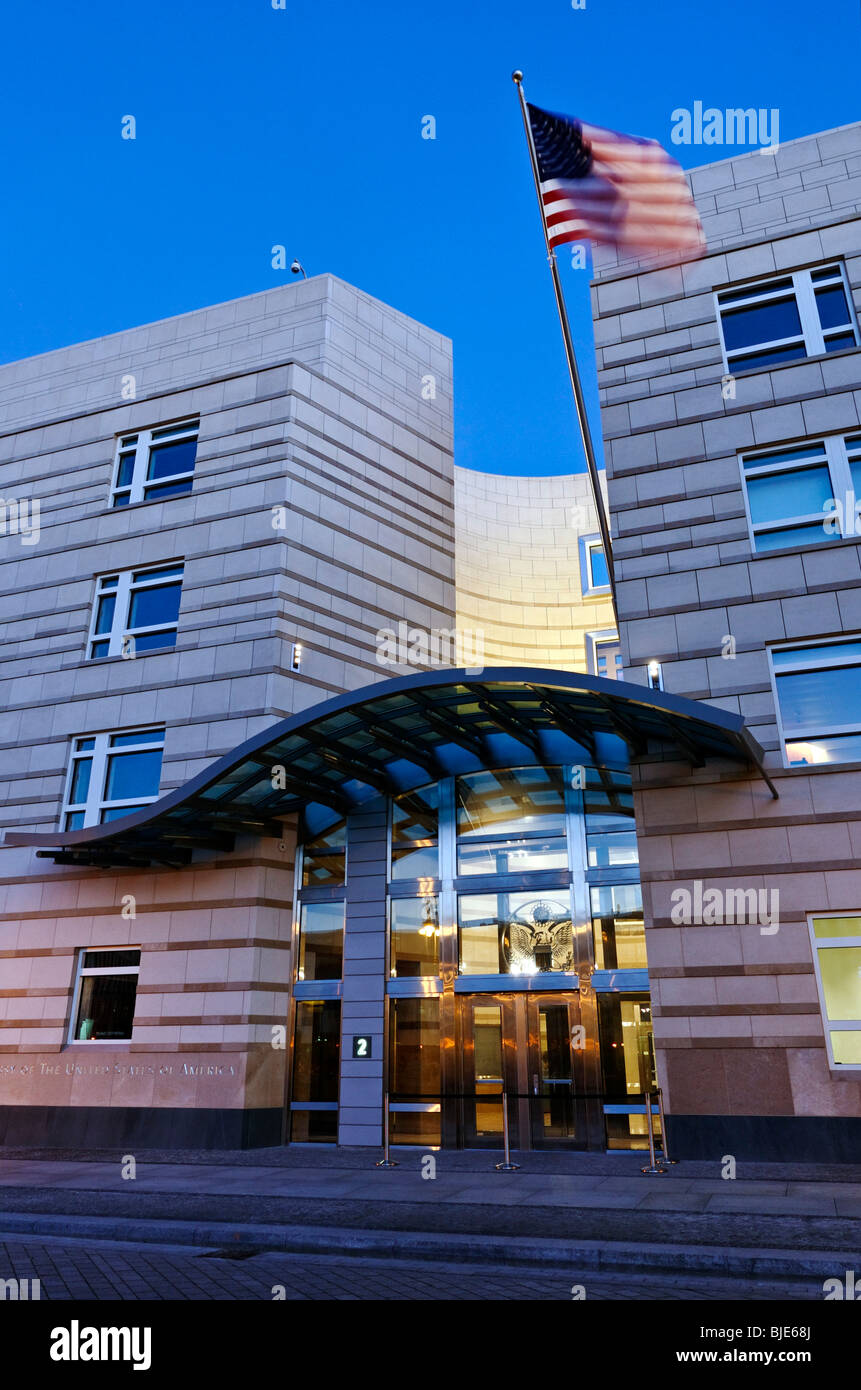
(215, 941)
(737, 1017)
(309, 397)
(518, 568)
(312, 396)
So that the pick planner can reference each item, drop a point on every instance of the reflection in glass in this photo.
(554, 1111)
(166, 460)
(415, 829)
(414, 1069)
(833, 748)
(512, 856)
(840, 971)
(627, 1049)
(511, 802)
(487, 1067)
(788, 536)
(832, 306)
(839, 341)
(761, 323)
(600, 573)
(836, 926)
(800, 492)
(324, 857)
(607, 796)
(315, 1069)
(612, 851)
(828, 697)
(321, 941)
(846, 1046)
(106, 1006)
(515, 933)
(618, 927)
(414, 1055)
(414, 937)
(769, 358)
(133, 775)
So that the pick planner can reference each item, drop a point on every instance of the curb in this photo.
(518, 1251)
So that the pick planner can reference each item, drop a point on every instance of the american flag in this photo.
(600, 186)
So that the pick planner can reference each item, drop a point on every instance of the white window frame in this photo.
(800, 734)
(121, 637)
(829, 943)
(81, 974)
(594, 641)
(812, 337)
(836, 455)
(101, 751)
(588, 546)
(140, 443)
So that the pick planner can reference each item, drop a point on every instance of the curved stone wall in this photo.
(518, 568)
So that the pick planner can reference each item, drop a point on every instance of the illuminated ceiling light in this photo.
(429, 926)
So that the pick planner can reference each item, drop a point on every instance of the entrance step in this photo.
(610, 1256)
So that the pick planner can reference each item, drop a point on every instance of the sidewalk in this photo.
(460, 1178)
(599, 1212)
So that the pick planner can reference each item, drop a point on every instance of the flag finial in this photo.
(517, 76)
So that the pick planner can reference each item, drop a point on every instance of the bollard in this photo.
(654, 1166)
(385, 1161)
(506, 1166)
(665, 1157)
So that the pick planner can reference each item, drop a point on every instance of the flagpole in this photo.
(573, 371)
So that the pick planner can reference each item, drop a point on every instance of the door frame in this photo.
(521, 1077)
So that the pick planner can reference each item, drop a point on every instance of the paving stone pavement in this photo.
(112, 1270)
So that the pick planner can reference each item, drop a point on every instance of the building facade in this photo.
(269, 853)
(324, 789)
(731, 391)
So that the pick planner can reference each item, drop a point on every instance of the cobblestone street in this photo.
(77, 1269)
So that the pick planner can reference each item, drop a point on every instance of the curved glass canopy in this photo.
(396, 735)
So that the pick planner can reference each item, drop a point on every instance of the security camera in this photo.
(298, 269)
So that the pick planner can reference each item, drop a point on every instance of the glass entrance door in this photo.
(529, 1047)
(557, 1116)
(487, 1045)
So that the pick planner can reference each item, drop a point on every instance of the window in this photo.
(321, 940)
(415, 834)
(414, 937)
(316, 1065)
(112, 775)
(836, 943)
(627, 1066)
(155, 464)
(803, 314)
(135, 611)
(323, 848)
(604, 655)
(818, 691)
(608, 806)
(511, 821)
(515, 933)
(594, 574)
(414, 1071)
(804, 494)
(618, 927)
(105, 992)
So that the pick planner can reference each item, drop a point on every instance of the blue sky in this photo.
(302, 126)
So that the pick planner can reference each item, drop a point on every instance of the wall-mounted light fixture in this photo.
(296, 656)
(656, 676)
